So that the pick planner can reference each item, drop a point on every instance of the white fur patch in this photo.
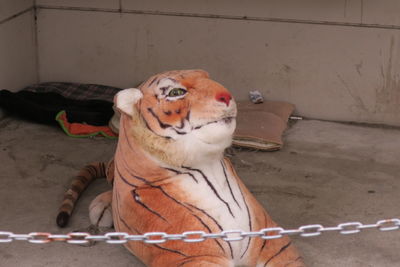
(100, 212)
(126, 99)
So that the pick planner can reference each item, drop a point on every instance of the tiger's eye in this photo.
(176, 92)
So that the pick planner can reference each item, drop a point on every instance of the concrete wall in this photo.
(17, 44)
(336, 60)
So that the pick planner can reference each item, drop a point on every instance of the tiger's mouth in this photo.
(226, 120)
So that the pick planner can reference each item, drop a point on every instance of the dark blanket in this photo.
(78, 91)
(43, 107)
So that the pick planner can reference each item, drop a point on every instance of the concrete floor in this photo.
(327, 173)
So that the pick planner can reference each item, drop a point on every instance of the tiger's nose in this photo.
(224, 97)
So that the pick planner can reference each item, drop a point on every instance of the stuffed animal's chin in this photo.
(219, 132)
(208, 143)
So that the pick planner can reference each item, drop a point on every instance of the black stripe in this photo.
(216, 222)
(122, 177)
(265, 223)
(212, 188)
(151, 130)
(249, 218)
(92, 170)
(209, 230)
(191, 175)
(101, 215)
(263, 245)
(103, 169)
(130, 228)
(197, 217)
(117, 200)
(178, 132)
(279, 252)
(83, 179)
(136, 197)
(183, 205)
(182, 124)
(163, 125)
(188, 115)
(167, 195)
(126, 224)
(164, 89)
(245, 202)
(96, 170)
(70, 197)
(183, 263)
(133, 175)
(152, 81)
(229, 184)
(298, 258)
(173, 170)
(183, 121)
(205, 213)
(77, 189)
(178, 172)
(170, 250)
(139, 233)
(208, 123)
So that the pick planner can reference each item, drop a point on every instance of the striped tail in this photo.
(78, 185)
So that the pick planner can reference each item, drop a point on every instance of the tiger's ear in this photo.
(126, 99)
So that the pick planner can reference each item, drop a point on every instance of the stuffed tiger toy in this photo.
(169, 175)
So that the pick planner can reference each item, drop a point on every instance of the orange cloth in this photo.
(83, 130)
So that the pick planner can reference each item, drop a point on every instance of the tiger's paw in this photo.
(100, 211)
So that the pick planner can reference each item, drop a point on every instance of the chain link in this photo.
(199, 236)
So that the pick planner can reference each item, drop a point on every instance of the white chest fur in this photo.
(214, 189)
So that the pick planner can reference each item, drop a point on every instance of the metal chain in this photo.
(199, 236)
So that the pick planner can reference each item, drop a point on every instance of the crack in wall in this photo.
(16, 15)
(227, 17)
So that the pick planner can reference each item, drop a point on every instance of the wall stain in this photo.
(359, 67)
(359, 103)
(287, 68)
(388, 94)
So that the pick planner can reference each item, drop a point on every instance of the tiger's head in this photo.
(180, 117)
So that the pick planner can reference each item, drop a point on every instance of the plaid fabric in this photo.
(78, 91)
